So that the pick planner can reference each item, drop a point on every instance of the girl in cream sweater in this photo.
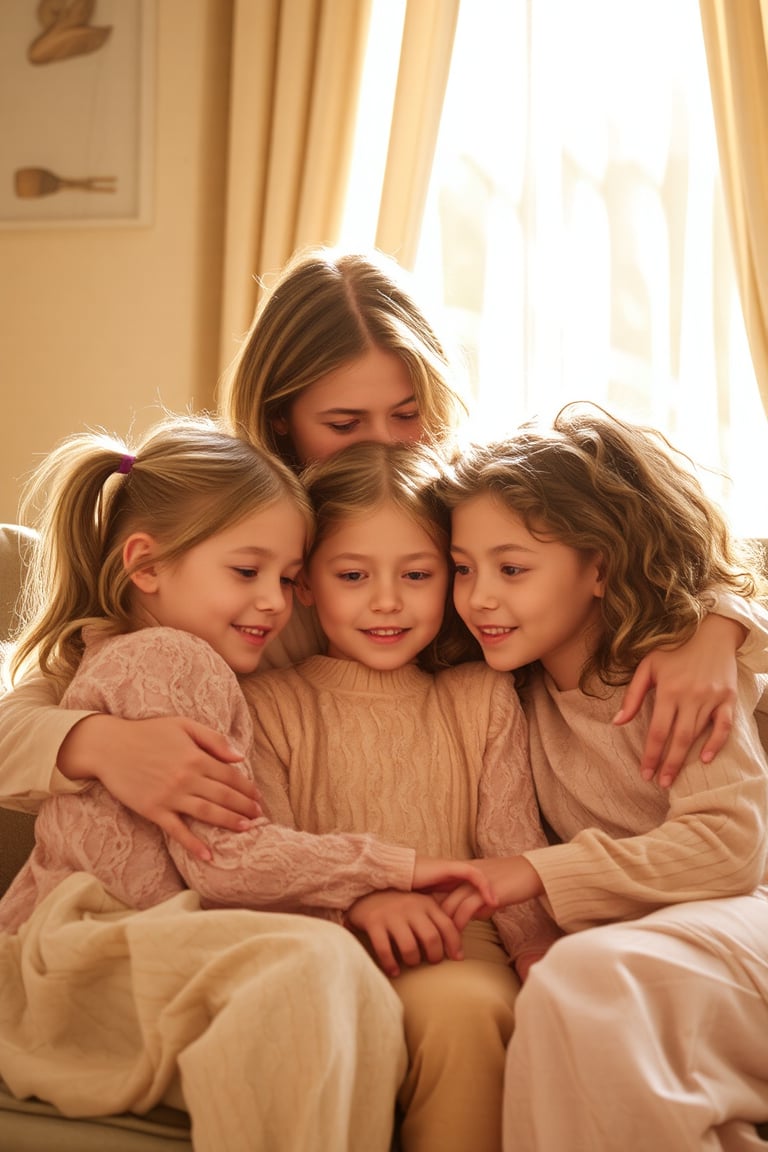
(380, 735)
(577, 549)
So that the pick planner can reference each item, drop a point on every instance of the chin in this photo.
(498, 661)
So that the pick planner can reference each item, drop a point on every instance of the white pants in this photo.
(646, 1036)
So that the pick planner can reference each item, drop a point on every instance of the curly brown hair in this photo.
(600, 485)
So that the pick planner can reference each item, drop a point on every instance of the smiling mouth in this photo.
(259, 633)
(491, 633)
(385, 633)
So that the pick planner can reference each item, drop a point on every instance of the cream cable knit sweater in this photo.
(631, 846)
(437, 762)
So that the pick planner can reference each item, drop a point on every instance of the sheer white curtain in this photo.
(576, 235)
(572, 225)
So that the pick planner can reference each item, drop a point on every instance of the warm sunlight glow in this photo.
(574, 233)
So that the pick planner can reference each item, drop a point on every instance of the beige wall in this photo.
(100, 326)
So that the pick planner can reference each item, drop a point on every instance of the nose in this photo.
(385, 596)
(482, 594)
(271, 597)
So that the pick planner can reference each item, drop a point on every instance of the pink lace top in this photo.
(161, 672)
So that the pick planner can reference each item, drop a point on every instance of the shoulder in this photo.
(478, 679)
(480, 696)
(281, 684)
(158, 672)
(150, 648)
(484, 706)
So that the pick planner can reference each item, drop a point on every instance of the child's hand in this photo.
(410, 925)
(164, 769)
(467, 904)
(695, 687)
(513, 881)
(437, 875)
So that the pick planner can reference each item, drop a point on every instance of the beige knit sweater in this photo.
(632, 846)
(32, 727)
(438, 763)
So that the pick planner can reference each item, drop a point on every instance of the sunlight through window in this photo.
(574, 234)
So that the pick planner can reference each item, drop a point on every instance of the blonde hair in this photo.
(366, 476)
(184, 482)
(602, 486)
(325, 309)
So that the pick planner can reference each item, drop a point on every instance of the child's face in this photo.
(523, 599)
(235, 589)
(370, 398)
(379, 585)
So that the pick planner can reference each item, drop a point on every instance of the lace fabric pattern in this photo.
(161, 672)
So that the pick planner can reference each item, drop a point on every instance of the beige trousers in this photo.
(458, 1019)
(278, 1031)
(646, 1036)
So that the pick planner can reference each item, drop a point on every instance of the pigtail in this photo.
(189, 482)
(72, 501)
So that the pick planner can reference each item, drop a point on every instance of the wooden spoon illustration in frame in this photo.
(33, 182)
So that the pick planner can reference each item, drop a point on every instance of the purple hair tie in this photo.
(125, 465)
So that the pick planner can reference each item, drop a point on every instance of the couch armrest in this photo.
(17, 836)
(14, 543)
(16, 828)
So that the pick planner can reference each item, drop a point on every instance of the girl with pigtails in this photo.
(160, 577)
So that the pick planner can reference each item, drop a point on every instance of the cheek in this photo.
(309, 441)
(460, 592)
(442, 591)
(413, 432)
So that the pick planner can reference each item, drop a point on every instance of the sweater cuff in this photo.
(393, 864)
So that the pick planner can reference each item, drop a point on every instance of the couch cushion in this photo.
(31, 1126)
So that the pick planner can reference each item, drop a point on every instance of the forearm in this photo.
(271, 866)
(711, 844)
(32, 731)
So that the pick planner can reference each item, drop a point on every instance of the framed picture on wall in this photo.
(77, 108)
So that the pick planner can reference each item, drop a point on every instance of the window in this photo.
(575, 234)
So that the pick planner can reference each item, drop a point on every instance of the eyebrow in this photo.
(497, 550)
(253, 551)
(362, 411)
(360, 557)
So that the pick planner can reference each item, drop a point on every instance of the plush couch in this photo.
(29, 1125)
